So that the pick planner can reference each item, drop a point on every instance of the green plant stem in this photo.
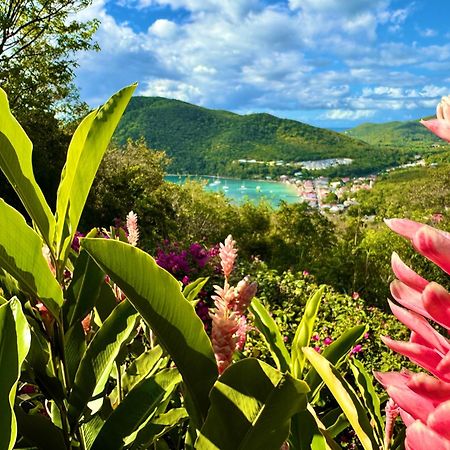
(119, 382)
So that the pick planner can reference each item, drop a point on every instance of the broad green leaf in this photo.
(140, 368)
(85, 153)
(74, 349)
(271, 334)
(307, 434)
(251, 407)
(192, 290)
(140, 403)
(304, 332)
(15, 162)
(345, 397)
(105, 304)
(21, 256)
(157, 427)
(84, 290)
(39, 431)
(157, 296)
(334, 353)
(364, 382)
(15, 341)
(96, 365)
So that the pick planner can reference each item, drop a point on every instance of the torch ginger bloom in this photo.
(227, 255)
(423, 400)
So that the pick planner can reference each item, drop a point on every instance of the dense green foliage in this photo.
(203, 141)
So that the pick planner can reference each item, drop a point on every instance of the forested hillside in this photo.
(205, 141)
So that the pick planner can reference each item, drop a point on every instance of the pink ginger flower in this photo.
(423, 399)
(228, 254)
(244, 293)
(392, 412)
(132, 228)
(441, 125)
(86, 324)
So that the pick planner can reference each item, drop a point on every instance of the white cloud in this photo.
(163, 28)
(172, 89)
(427, 32)
(345, 114)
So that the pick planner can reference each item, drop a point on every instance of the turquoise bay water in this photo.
(241, 190)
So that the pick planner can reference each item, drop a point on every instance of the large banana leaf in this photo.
(251, 407)
(84, 290)
(157, 297)
(140, 403)
(15, 162)
(345, 397)
(97, 362)
(271, 334)
(304, 332)
(85, 153)
(334, 353)
(15, 341)
(21, 256)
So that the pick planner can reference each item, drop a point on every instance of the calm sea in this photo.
(242, 190)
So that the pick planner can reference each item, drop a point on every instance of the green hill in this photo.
(205, 141)
(393, 133)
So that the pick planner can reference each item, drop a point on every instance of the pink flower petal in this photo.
(421, 437)
(434, 245)
(409, 298)
(392, 378)
(407, 275)
(404, 227)
(419, 325)
(436, 301)
(436, 390)
(419, 354)
(407, 418)
(439, 420)
(415, 405)
(440, 127)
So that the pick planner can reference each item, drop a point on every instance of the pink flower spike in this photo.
(132, 228)
(228, 254)
(245, 291)
(436, 301)
(439, 127)
(421, 437)
(404, 227)
(434, 245)
(407, 275)
(439, 420)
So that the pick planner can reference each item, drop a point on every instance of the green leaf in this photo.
(157, 427)
(15, 162)
(39, 431)
(304, 332)
(345, 397)
(140, 403)
(157, 296)
(74, 349)
(271, 334)
(84, 290)
(15, 342)
(85, 153)
(364, 382)
(21, 256)
(140, 368)
(192, 290)
(306, 433)
(334, 353)
(96, 365)
(251, 408)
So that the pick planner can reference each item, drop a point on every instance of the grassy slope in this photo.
(200, 140)
(393, 133)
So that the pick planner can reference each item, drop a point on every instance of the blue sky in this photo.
(330, 63)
